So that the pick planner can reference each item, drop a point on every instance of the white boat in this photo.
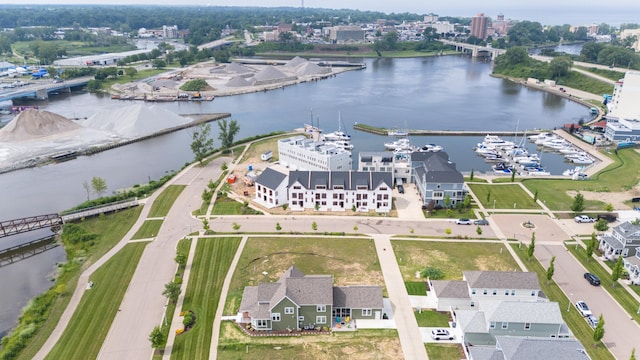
(430, 148)
(530, 160)
(569, 150)
(582, 160)
(556, 144)
(338, 135)
(544, 139)
(340, 144)
(570, 172)
(497, 142)
(402, 143)
(542, 136)
(576, 155)
(397, 132)
(538, 172)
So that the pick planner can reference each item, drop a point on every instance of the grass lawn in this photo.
(228, 206)
(416, 287)
(622, 175)
(148, 229)
(449, 214)
(504, 195)
(164, 201)
(451, 257)
(431, 318)
(351, 261)
(622, 296)
(111, 228)
(210, 266)
(361, 344)
(83, 337)
(581, 330)
(443, 351)
(259, 147)
(609, 74)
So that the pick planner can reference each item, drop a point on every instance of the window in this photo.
(300, 318)
(473, 304)
(275, 316)
(513, 293)
(533, 293)
(473, 291)
(261, 323)
(505, 325)
(506, 292)
(321, 308)
(321, 319)
(495, 292)
(492, 325)
(366, 312)
(288, 310)
(527, 326)
(484, 292)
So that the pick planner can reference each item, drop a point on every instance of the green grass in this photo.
(149, 229)
(609, 74)
(476, 178)
(622, 175)
(586, 83)
(620, 294)
(449, 213)
(83, 337)
(361, 344)
(443, 351)
(580, 329)
(164, 201)
(228, 206)
(431, 318)
(504, 195)
(451, 257)
(416, 287)
(349, 260)
(210, 266)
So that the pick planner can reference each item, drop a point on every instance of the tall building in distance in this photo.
(500, 26)
(479, 26)
(170, 32)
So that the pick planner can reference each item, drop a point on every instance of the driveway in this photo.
(408, 205)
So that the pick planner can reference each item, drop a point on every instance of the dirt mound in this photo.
(32, 124)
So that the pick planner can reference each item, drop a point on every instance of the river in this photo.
(451, 92)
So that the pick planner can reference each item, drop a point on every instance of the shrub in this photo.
(432, 273)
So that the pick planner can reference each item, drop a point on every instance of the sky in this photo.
(547, 12)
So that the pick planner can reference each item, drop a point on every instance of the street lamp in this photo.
(494, 206)
(569, 304)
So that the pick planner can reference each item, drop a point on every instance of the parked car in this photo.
(401, 189)
(463, 221)
(442, 334)
(593, 321)
(583, 308)
(609, 217)
(584, 219)
(635, 199)
(481, 222)
(592, 279)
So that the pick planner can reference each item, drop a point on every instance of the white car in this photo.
(584, 219)
(583, 308)
(593, 321)
(463, 221)
(442, 334)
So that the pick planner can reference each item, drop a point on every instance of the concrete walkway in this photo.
(408, 331)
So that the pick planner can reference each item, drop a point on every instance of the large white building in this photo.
(300, 153)
(623, 117)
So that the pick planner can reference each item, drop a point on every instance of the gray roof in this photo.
(350, 180)
(367, 156)
(485, 352)
(613, 242)
(628, 230)
(270, 178)
(451, 289)
(472, 321)
(435, 167)
(523, 312)
(529, 348)
(358, 297)
(501, 280)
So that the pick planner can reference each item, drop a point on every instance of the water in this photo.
(450, 92)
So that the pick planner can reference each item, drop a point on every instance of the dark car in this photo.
(401, 189)
(592, 279)
(481, 222)
(635, 199)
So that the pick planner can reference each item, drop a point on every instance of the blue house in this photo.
(437, 179)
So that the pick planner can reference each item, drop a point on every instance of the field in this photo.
(357, 345)
(504, 196)
(451, 257)
(443, 351)
(148, 229)
(229, 206)
(210, 266)
(350, 261)
(252, 155)
(164, 201)
(83, 337)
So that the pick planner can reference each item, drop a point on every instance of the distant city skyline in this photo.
(547, 12)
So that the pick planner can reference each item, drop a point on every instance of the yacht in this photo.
(402, 143)
(430, 148)
(343, 144)
(542, 136)
(497, 142)
(338, 135)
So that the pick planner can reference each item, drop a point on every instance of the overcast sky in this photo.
(537, 10)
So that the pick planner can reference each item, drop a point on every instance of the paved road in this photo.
(143, 304)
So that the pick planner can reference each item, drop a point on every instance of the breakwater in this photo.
(387, 132)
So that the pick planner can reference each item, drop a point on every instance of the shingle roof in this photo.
(270, 178)
(532, 348)
(309, 290)
(501, 280)
(613, 242)
(358, 297)
(451, 289)
(525, 312)
(472, 321)
(349, 179)
(436, 167)
(485, 352)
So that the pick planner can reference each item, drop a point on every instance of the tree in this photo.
(227, 132)
(598, 332)
(471, 176)
(617, 270)
(202, 144)
(157, 338)
(236, 226)
(601, 225)
(278, 227)
(532, 246)
(99, 185)
(633, 354)
(314, 225)
(181, 259)
(205, 224)
(609, 207)
(172, 291)
(578, 204)
(159, 64)
(513, 175)
(87, 188)
(551, 269)
(131, 72)
(433, 273)
(560, 66)
(479, 230)
(591, 246)
(535, 196)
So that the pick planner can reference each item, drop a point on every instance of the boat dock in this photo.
(386, 132)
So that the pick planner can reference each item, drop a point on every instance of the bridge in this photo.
(474, 50)
(42, 90)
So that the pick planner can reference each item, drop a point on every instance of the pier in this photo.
(385, 132)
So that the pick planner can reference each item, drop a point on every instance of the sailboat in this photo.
(338, 135)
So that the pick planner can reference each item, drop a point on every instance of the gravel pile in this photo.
(33, 124)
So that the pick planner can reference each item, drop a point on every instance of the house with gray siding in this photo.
(523, 348)
(449, 294)
(271, 188)
(624, 240)
(298, 301)
(437, 179)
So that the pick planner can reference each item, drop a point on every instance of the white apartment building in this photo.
(300, 153)
(623, 118)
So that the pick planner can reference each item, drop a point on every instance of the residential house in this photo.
(624, 240)
(375, 161)
(340, 190)
(450, 294)
(521, 348)
(513, 318)
(271, 188)
(297, 301)
(437, 179)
